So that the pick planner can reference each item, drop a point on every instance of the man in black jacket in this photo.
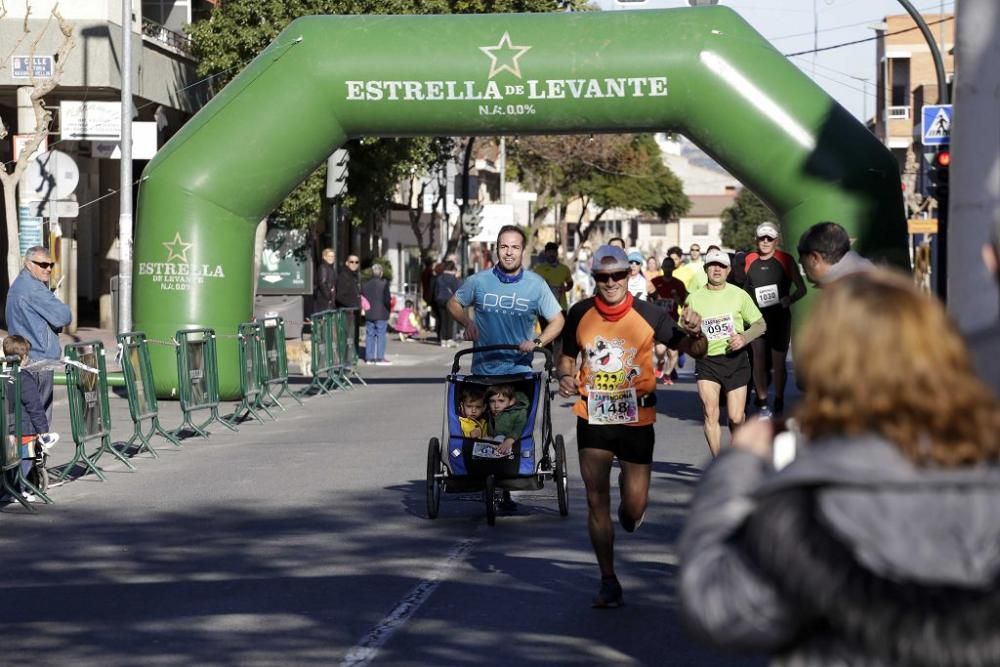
(326, 281)
(348, 293)
(348, 290)
(376, 291)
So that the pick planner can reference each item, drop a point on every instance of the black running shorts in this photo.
(731, 371)
(633, 444)
(779, 328)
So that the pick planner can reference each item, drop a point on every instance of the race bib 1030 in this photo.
(767, 296)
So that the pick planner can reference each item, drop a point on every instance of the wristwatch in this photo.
(538, 341)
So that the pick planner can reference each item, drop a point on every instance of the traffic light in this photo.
(336, 174)
(937, 176)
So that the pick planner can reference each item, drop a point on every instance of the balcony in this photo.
(898, 113)
(166, 37)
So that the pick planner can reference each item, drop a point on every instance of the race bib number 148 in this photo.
(616, 406)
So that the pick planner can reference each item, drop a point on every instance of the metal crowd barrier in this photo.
(347, 338)
(198, 379)
(324, 356)
(140, 388)
(10, 430)
(275, 362)
(89, 412)
(251, 342)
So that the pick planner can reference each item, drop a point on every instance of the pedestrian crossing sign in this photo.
(936, 124)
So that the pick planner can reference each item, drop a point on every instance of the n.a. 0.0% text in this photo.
(506, 109)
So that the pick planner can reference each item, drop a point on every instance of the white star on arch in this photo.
(172, 248)
(513, 53)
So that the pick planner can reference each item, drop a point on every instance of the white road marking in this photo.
(365, 650)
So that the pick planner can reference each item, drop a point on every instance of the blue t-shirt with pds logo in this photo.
(505, 314)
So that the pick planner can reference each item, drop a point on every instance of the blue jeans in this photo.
(375, 340)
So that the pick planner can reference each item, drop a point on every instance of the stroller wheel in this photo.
(561, 477)
(39, 474)
(434, 483)
(490, 498)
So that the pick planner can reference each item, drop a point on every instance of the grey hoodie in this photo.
(920, 529)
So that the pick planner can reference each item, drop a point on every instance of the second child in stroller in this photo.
(509, 410)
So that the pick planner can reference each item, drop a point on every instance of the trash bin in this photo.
(290, 308)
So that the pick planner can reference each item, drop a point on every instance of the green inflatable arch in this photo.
(703, 72)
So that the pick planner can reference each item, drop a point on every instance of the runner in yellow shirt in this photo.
(730, 320)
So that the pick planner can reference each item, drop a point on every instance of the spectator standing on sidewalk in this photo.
(985, 343)
(825, 254)
(326, 281)
(376, 291)
(877, 544)
(445, 286)
(34, 312)
(348, 292)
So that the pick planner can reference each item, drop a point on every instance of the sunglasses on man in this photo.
(44, 265)
(763, 239)
(615, 276)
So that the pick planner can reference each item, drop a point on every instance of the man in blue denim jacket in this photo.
(35, 313)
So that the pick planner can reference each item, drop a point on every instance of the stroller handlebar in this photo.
(492, 348)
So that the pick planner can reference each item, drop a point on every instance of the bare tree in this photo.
(43, 119)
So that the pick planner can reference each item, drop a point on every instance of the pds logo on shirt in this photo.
(498, 302)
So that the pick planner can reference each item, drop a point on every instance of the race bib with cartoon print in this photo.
(619, 406)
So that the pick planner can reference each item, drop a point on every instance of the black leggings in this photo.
(445, 323)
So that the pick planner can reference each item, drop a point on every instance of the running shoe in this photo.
(623, 519)
(610, 594)
(765, 413)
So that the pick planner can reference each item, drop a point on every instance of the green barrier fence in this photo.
(276, 362)
(89, 412)
(198, 379)
(324, 357)
(139, 385)
(347, 332)
(251, 348)
(10, 429)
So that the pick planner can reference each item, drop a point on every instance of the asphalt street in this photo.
(304, 541)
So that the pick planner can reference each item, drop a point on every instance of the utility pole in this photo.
(943, 98)
(125, 192)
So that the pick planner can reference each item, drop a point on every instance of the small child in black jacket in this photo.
(34, 424)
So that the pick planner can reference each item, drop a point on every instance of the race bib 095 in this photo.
(720, 327)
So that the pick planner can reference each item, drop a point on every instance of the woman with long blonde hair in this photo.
(879, 544)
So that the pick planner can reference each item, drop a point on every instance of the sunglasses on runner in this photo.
(611, 277)
(44, 265)
(761, 239)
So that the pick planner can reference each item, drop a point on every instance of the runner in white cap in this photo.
(774, 282)
(730, 321)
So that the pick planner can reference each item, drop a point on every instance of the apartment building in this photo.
(165, 95)
(906, 80)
